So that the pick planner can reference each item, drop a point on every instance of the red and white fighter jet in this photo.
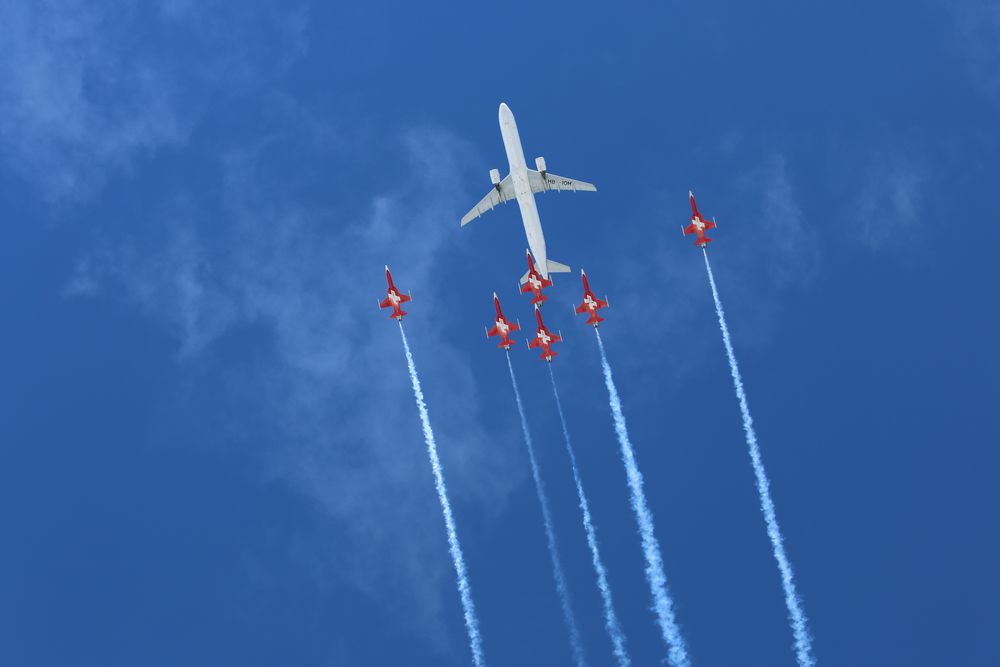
(535, 282)
(394, 298)
(698, 224)
(544, 338)
(591, 304)
(503, 327)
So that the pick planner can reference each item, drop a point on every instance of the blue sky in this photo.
(211, 453)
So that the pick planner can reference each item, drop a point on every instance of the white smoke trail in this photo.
(550, 534)
(800, 628)
(469, 608)
(655, 575)
(610, 618)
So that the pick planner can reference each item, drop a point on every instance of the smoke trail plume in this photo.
(800, 628)
(550, 535)
(610, 618)
(655, 575)
(468, 607)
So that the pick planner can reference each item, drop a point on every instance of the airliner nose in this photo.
(505, 111)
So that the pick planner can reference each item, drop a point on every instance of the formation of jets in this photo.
(522, 184)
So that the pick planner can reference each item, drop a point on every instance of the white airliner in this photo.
(522, 184)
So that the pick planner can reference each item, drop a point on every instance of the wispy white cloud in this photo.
(74, 101)
(86, 88)
(787, 246)
(891, 198)
(978, 23)
(765, 246)
(308, 278)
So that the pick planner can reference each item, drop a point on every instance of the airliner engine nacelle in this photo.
(495, 176)
(540, 164)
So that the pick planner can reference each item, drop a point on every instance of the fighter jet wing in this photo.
(550, 181)
(502, 193)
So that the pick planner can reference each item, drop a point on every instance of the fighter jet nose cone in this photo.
(494, 295)
(690, 194)
(386, 267)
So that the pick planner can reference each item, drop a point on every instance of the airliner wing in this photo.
(550, 181)
(502, 193)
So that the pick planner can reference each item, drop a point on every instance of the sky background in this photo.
(209, 450)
